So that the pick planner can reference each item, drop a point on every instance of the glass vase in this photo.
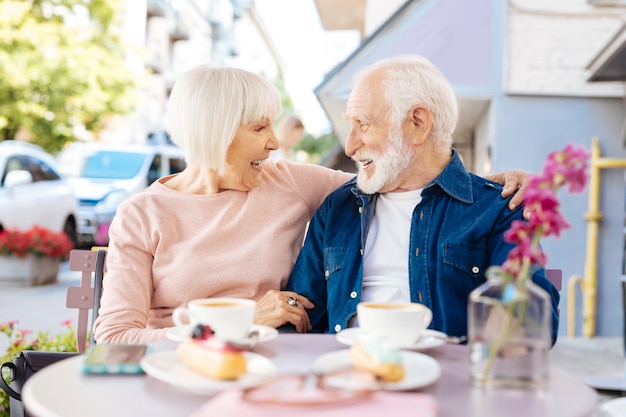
(509, 333)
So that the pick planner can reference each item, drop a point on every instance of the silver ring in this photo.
(292, 301)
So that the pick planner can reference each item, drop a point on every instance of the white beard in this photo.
(389, 165)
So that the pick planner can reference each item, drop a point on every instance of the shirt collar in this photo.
(454, 180)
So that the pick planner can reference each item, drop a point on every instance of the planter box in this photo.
(35, 270)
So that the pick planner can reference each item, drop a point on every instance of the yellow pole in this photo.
(589, 283)
(571, 304)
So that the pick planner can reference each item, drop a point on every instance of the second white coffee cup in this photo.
(229, 318)
(400, 324)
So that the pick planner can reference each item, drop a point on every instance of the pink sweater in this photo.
(168, 247)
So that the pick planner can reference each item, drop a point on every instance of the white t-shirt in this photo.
(386, 262)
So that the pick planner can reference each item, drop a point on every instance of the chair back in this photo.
(86, 297)
(555, 276)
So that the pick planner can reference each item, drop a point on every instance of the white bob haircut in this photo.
(412, 80)
(207, 106)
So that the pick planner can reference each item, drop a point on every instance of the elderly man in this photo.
(414, 224)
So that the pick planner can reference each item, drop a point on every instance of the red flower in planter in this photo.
(37, 241)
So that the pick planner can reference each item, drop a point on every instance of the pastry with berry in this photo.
(211, 356)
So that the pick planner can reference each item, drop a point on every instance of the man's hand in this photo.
(513, 180)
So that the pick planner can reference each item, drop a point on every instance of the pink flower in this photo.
(24, 332)
(9, 324)
(38, 241)
(562, 168)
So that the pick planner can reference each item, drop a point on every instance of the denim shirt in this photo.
(456, 234)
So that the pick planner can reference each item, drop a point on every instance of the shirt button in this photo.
(337, 328)
(327, 273)
(475, 269)
(360, 209)
(353, 294)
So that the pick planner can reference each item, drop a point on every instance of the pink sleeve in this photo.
(127, 285)
(314, 182)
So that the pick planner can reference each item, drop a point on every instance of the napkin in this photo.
(398, 404)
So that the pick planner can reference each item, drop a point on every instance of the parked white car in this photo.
(33, 191)
(104, 174)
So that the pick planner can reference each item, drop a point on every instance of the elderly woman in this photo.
(231, 224)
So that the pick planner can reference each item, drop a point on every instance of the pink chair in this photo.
(555, 276)
(86, 297)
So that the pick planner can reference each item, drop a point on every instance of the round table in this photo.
(61, 390)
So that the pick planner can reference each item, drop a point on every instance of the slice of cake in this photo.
(379, 358)
(211, 356)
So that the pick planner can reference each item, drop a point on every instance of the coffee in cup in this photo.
(400, 324)
(229, 318)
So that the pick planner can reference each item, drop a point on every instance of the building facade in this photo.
(169, 37)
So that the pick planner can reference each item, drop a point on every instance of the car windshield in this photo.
(101, 164)
(113, 165)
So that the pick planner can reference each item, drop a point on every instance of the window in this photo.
(154, 173)
(177, 165)
(39, 170)
(113, 165)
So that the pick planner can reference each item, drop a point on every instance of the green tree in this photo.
(61, 68)
(317, 147)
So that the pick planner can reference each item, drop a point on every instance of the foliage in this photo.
(37, 241)
(19, 340)
(62, 69)
(566, 167)
(316, 147)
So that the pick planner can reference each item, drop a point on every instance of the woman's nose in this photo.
(272, 143)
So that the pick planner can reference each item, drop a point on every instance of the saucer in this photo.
(167, 367)
(429, 340)
(613, 408)
(419, 370)
(266, 333)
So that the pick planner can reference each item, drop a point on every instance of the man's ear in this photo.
(421, 120)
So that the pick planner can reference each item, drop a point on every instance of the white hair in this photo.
(411, 80)
(208, 104)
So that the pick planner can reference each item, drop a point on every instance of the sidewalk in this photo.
(38, 308)
(43, 308)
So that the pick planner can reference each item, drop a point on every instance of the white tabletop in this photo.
(61, 390)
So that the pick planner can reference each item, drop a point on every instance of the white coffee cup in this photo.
(229, 318)
(400, 324)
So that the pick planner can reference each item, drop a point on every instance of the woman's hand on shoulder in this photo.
(513, 181)
(276, 308)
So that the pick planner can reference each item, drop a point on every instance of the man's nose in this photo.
(353, 143)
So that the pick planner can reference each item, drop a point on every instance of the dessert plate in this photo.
(613, 408)
(167, 367)
(419, 370)
(430, 339)
(265, 333)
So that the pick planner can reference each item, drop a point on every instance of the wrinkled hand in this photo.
(513, 180)
(273, 310)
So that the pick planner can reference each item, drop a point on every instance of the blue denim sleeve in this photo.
(307, 277)
(539, 278)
